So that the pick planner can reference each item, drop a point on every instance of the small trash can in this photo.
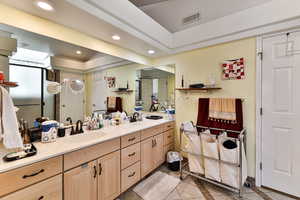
(173, 160)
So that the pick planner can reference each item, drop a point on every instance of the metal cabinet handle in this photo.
(95, 171)
(42, 197)
(131, 175)
(132, 154)
(100, 168)
(131, 139)
(152, 143)
(34, 174)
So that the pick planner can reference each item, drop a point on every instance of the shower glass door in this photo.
(28, 95)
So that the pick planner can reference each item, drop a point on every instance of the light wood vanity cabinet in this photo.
(109, 181)
(152, 154)
(130, 176)
(98, 172)
(96, 180)
(158, 150)
(81, 183)
(50, 189)
(28, 175)
(146, 156)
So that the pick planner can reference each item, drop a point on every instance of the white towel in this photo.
(9, 128)
(188, 126)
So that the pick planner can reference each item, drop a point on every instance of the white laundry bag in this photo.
(210, 145)
(210, 149)
(194, 147)
(226, 154)
(230, 174)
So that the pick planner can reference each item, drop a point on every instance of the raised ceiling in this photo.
(140, 3)
(53, 47)
(157, 25)
(170, 13)
(69, 15)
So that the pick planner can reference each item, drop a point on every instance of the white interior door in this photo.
(71, 105)
(281, 113)
(99, 92)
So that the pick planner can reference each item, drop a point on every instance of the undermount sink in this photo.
(154, 117)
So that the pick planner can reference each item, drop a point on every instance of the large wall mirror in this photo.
(59, 80)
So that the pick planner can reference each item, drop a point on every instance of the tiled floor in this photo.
(193, 189)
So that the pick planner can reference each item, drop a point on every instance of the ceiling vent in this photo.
(191, 19)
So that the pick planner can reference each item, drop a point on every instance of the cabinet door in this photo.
(158, 150)
(109, 176)
(146, 156)
(81, 183)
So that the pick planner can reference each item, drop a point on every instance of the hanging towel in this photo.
(114, 104)
(222, 110)
(111, 102)
(203, 118)
(9, 128)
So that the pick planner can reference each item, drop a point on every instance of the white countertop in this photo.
(71, 143)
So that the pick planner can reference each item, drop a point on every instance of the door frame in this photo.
(258, 129)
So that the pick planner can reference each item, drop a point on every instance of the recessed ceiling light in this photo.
(78, 52)
(116, 37)
(151, 51)
(45, 5)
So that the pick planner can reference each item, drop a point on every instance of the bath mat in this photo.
(156, 187)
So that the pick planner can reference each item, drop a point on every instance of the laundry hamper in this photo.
(230, 168)
(211, 156)
(195, 148)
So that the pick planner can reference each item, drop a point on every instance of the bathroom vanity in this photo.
(97, 165)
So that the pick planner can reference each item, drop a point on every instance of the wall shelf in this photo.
(123, 91)
(199, 89)
(9, 84)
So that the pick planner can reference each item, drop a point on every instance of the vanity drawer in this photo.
(168, 137)
(50, 189)
(130, 139)
(25, 176)
(130, 155)
(152, 131)
(169, 125)
(79, 157)
(130, 176)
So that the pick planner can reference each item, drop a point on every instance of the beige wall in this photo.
(197, 65)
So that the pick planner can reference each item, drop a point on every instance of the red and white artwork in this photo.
(110, 81)
(234, 69)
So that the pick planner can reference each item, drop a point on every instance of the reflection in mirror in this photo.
(155, 88)
(71, 84)
(51, 76)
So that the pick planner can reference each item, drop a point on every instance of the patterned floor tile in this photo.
(174, 196)
(191, 188)
(278, 196)
(189, 191)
